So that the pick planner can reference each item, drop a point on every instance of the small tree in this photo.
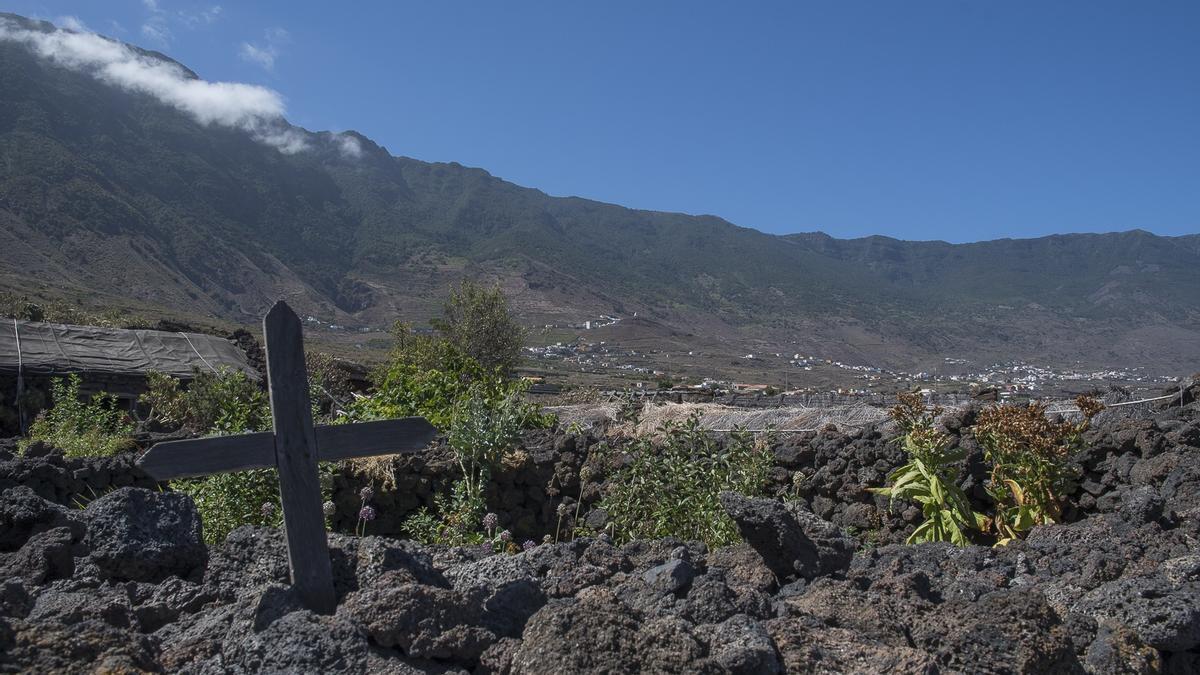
(479, 321)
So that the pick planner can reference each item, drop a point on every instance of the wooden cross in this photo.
(293, 448)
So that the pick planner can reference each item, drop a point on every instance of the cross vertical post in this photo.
(296, 458)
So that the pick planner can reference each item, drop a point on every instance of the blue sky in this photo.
(961, 120)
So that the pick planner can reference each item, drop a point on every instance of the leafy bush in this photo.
(329, 385)
(673, 488)
(1030, 457)
(214, 404)
(226, 501)
(929, 477)
(404, 389)
(481, 431)
(425, 375)
(219, 404)
(91, 428)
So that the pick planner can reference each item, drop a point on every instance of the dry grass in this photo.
(721, 417)
(585, 415)
(718, 417)
(380, 470)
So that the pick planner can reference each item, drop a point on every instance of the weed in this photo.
(928, 477)
(673, 489)
(225, 402)
(93, 427)
(481, 432)
(1030, 457)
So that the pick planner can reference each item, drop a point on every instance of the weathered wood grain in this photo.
(296, 458)
(220, 454)
(366, 439)
(205, 456)
(294, 449)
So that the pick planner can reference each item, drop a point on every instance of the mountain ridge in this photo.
(116, 193)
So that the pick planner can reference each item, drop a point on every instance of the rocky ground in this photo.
(126, 585)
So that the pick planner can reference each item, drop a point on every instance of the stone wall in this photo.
(828, 471)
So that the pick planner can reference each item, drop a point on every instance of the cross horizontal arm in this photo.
(204, 456)
(221, 454)
(368, 439)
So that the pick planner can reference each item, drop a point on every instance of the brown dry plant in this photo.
(1030, 456)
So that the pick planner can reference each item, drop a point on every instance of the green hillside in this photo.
(115, 194)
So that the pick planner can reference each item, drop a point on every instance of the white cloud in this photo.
(72, 23)
(264, 53)
(256, 110)
(155, 29)
(349, 146)
(203, 17)
(259, 55)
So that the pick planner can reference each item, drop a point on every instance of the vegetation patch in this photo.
(1030, 458)
(1029, 464)
(672, 488)
(930, 477)
(92, 426)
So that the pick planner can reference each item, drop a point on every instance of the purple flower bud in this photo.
(506, 536)
(529, 545)
(490, 521)
(366, 513)
(268, 509)
(485, 548)
(366, 493)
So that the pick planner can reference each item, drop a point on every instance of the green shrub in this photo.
(81, 428)
(226, 501)
(214, 404)
(1030, 457)
(219, 404)
(424, 375)
(481, 431)
(472, 354)
(673, 488)
(929, 477)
